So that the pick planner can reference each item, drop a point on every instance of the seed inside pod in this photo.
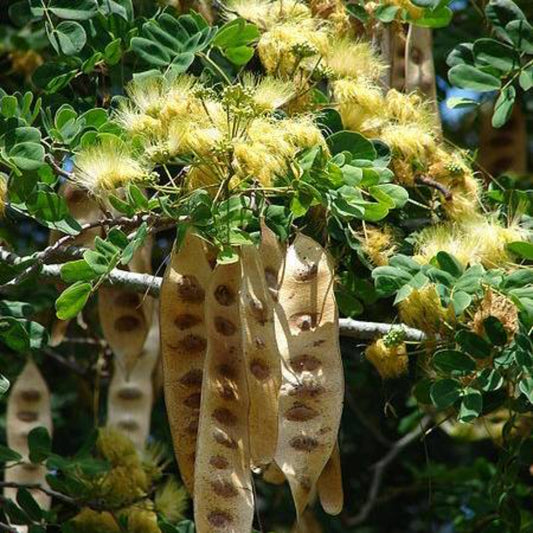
(224, 416)
(305, 363)
(128, 425)
(193, 343)
(224, 439)
(219, 519)
(219, 462)
(129, 393)
(300, 413)
(306, 272)
(307, 390)
(127, 299)
(193, 401)
(186, 321)
(303, 443)
(224, 489)
(259, 369)
(190, 290)
(192, 378)
(224, 295)
(224, 326)
(127, 323)
(27, 416)
(304, 321)
(30, 395)
(192, 427)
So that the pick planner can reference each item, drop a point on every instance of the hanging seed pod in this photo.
(183, 346)
(273, 258)
(273, 474)
(223, 498)
(262, 358)
(125, 316)
(28, 407)
(312, 391)
(329, 484)
(130, 398)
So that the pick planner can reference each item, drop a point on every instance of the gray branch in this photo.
(148, 284)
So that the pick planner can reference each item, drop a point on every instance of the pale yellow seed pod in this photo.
(329, 486)
(28, 407)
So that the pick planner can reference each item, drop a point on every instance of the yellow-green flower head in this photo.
(268, 93)
(353, 59)
(117, 448)
(266, 14)
(409, 141)
(378, 244)
(124, 484)
(89, 521)
(107, 166)
(3, 194)
(171, 500)
(142, 521)
(410, 109)
(390, 361)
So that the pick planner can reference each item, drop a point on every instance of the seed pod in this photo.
(273, 474)
(224, 499)
(262, 358)
(125, 316)
(130, 397)
(28, 407)
(183, 346)
(329, 484)
(312, 390)
(273, 258)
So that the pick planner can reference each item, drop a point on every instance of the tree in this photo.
(223, 221)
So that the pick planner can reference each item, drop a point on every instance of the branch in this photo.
(146, 283)
(37, 486)
(430, 182)
(381, 466)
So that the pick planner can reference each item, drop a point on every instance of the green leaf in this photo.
(395, 196)
(471, 405)
(72, 300)
(7, 455)
(526, 387)
(492, 53)
(521, 33)
(52, 77)
(79, 10)
(28, 504)
(473, 344)
(240, 55)
(348, 304)
(461, 301)
(4, 385)
(99, 263)
(525, 79)
(502, 12)
(453, 362)
(39, 444)
(436, 18)
(448, 263)
(445, 393)
(27, 155)
(77, 271)
(68, 37)
(489, 380)
(469, 77)
(459, 102)
(236, 33)
(227, 256)
(386, 13)
(503, 107)
(354, 143)
(113, 52)
(522, 249)
(22, 335)
(495, 331)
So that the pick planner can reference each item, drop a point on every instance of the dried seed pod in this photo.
(273, 258)
(183, 346)
(130, 397)
(224, 499)
(312, 390)
(125, 316)
(329, 484)
(28, 407)
(262, 358)
(273, 474)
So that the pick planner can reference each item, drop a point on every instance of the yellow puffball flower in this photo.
(256, 161)
(142, 521)
(124, 484)
(117, 448)
(302, 132)
(171, 500)
(268, 93)
(353, 59)
(3, 194)
(410, 141)
(378, 245)
(390, 361)
(423, 310)
(106, 166)
(89, 521)
(411, 108)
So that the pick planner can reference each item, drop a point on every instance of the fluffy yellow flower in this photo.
(89, 521)
(423, 310)
(268, 93)
(302, 132)
(409, 141)
(142, 521)
(409, 109)
(117, 448)
(106, 166)
(257, 161)
(390, 361)
(353, 59)
(171, 500)
(378, 244)
(124, 484)
(265, 13)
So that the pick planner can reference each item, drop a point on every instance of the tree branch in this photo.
(148, 284)
(381, 466)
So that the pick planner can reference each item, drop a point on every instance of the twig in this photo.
(430, 182)
(37, 486)
(379, 470)
(146, 283)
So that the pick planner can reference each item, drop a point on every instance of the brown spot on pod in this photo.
(224, 295)
(224, 489)
(27, 416)
(305, 363)
(300, 413)
(224, 439)
(30, 467)
(190, 290)
(192, 427)
(219, 462)
(307, 390)
(306, 272)
(304, 321)
(303, 443)
(319, 342)
(192, 378)
(259, 369)
(128, 425)
(127, 323)
(30, 395)
(219, 519)
(224, 416)
(129, 393)
(193, 344)
(224, 326)
(193, 401)
(127, 299)
(186, 321)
